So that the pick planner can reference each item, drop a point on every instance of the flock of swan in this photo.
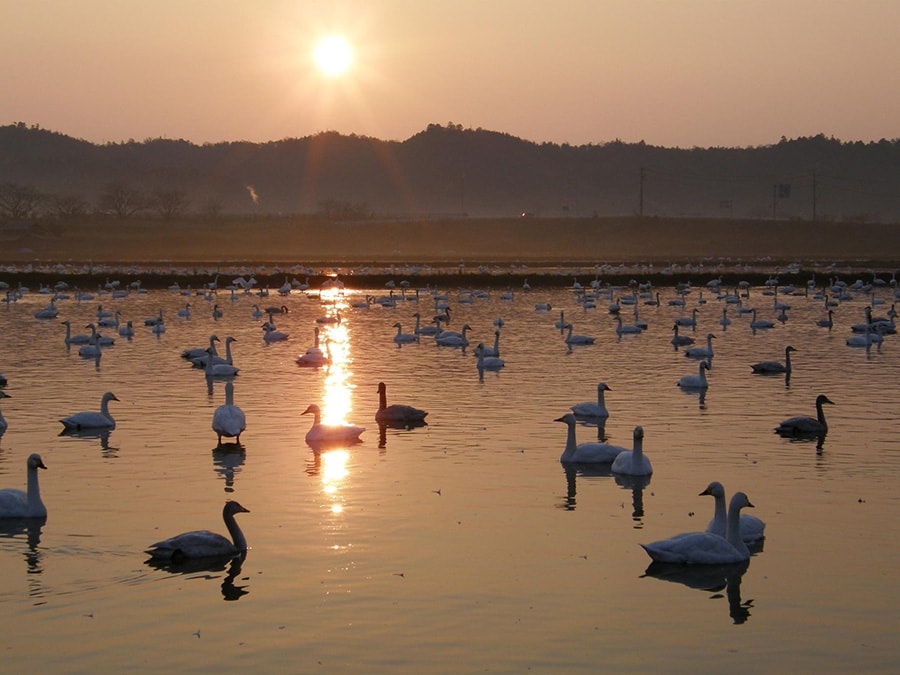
(723, 542)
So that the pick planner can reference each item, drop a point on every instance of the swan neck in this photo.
(237, 536)
(382, 400)
(820, 414)
(733, 531)
(720, 520)
(35, 505)
(570, 442)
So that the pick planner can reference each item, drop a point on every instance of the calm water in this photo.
(463, 545)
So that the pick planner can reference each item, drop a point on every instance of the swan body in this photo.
(325, 433)
(487, 362)
(491, 351)
(17, 504)
(452, 338)
(752, 528)
(228, 419)
(586, 453)
(760, 323)
(399, 414)
(634, 462)
(213, 369)
(688, 321)
(680, 340)
(578, 339)
(90, 419)
(75, 339)
(401, 337)
(203, 543)
(433, 329)
(697, 381)
(127, 330)
(705, 548)
(314, 356)
(701, 352)
(800, 426)
(626, 328)
(774, 367)
(826, 323)
(592, 408)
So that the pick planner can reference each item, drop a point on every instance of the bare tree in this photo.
(122, 200)
(170, 203)
(68, 206)
(18, 202)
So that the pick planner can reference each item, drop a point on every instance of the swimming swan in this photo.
(705, 548)
(586, 453)
(578, 339)
(90, 419)
(325, 433)
(203, 543)
(774, 367)
(695, 381)
(752, 528)
(702, 352)
(634, 462)
(487, 362)
(590, 408)
(17, 504)
(228, 419)
(805, 426)
(396, 414)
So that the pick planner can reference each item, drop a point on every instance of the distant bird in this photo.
(396, 413)
(806, 426)
(203, 543)
(774, 367)
(92, 420)
(585, 453)
(17, 504)
(228, 419)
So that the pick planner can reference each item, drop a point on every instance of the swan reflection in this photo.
(636, 484)
(31, 528)
(228, 458)
(207, 568)
(101, 434)
(709, 578)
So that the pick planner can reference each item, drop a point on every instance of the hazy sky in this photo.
(670, 72)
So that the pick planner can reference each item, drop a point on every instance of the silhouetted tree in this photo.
(170, 203)
(68, 206)
(18, 202)
(122, 200)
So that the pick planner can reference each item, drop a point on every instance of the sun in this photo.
(333, 55)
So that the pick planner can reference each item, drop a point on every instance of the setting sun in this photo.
(333, 55)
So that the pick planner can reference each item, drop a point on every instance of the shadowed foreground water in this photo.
(462, 545)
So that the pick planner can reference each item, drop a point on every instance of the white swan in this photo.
(17, 504)
(75, 339)
(827, 323)
(271, 334)
(219, 369)
(403, 338)
(705, 548)
(203, 543)
(452, 338)
(228, 419)
(491, 351)
(487, 362)
(680, 340)
(760, 323)
(314, 356)
(697, 381)
(801, 426)
(127, 330)
(433, 329)
(90, 419)
(201, 352)
(586, 453)
(3, 424)
(186, 312)
(724, 321)
(330, 433)
(634, 462)
(774, 367)
(626, 328)
(702, 352)
(752, 528)
(396, 413)
(578, 339)
(688, 321)
(591, 408)
(867, 339)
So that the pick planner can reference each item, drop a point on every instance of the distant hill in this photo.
(448, 171)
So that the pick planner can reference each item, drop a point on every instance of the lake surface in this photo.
(463, 545)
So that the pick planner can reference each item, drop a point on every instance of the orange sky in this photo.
(670, 72)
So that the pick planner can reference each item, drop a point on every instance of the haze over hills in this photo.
(449, 171)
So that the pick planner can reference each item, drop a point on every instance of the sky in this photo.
(672, 73)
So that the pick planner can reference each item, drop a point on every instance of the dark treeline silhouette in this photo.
(444, 171)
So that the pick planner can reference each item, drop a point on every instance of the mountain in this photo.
(449, 171)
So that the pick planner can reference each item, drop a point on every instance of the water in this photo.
(463, 545)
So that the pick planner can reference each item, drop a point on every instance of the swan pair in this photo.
(625, 462)
(203, 543)
(706, 548)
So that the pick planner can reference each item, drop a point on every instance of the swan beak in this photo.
(750, 505)
(41, 465)
(705, 492)
(560, 419)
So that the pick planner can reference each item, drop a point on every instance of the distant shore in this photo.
(652, 246)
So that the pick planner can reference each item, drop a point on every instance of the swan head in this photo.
(397, 325)
(603, 387)
(739, 501)
(710, 336)
(230, 339)
(109, 396)
(714, 489)
(789, 349)
(381, 388)
(34, 461)
(822, 398)
(313, 408)
(568, 418)
(3, 394)
(638, 433)
(232, 507)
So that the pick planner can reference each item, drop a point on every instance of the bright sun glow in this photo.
(333, 55)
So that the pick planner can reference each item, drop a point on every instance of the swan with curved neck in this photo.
(702, 352)
(90, 419)
(799, 426)
(774, 367)
(325, 433)
(705, 548)
(591, 408)
(203, 543)
(17, 504)
(697, 381)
